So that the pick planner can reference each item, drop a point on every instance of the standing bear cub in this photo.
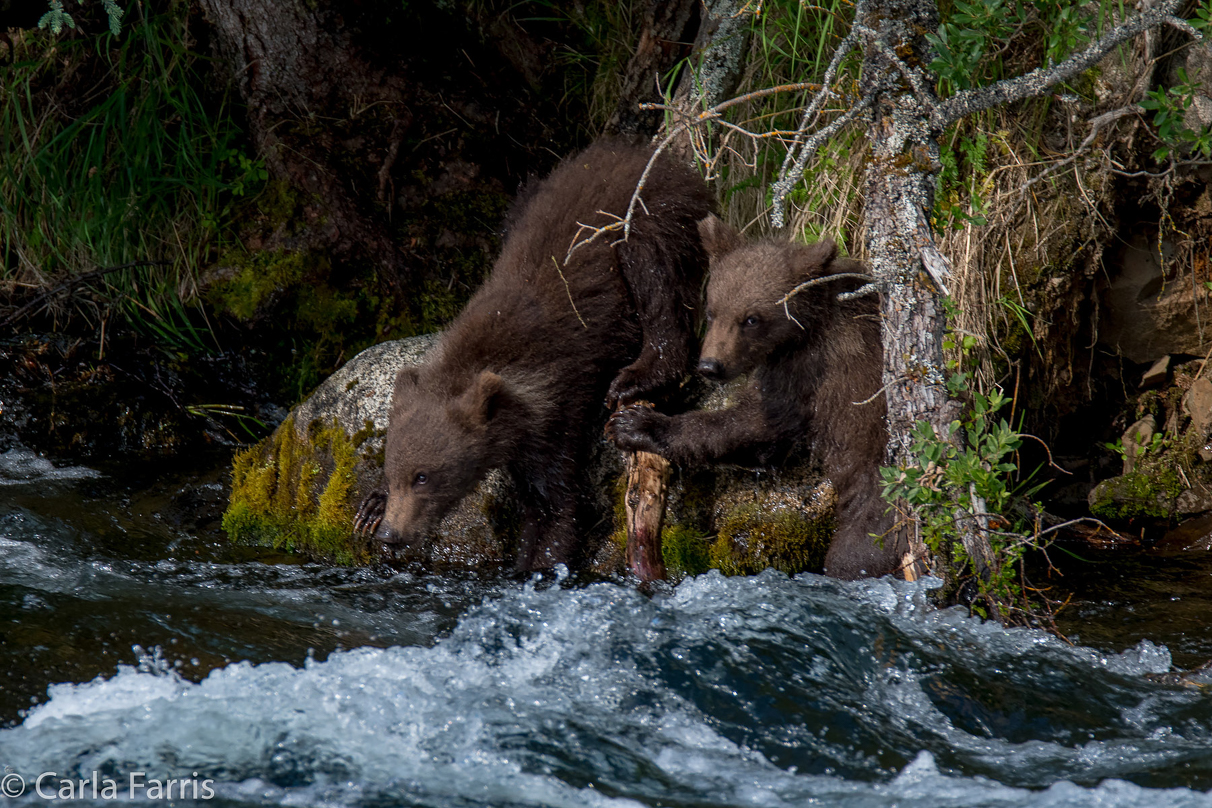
(809, 364)
(519, 378)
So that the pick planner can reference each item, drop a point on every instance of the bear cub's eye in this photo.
(751, 321)
(420, 479)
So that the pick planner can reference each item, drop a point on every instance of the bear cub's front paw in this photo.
(652, 371)
(638, 428)
(370, 513)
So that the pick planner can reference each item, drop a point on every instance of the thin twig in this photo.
(877, 393)
(1096, 125)
(72, 283)
(870, 289)
(799, 151)
(781, 187)
(625, 221)
(854, 276)
(568, 289)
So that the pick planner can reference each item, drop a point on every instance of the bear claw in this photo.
(370, 513)
(633, 428)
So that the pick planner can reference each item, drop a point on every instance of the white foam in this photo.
(19, 466)
(536, 693)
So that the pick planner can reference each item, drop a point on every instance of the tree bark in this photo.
(297, 71)
(900, 198)
(665, 37)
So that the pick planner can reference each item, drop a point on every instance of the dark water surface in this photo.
(133, 640)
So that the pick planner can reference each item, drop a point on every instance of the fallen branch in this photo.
(71, 284)
(1096, 125)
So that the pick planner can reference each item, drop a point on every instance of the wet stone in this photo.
(1156, 375)
(1198, 404)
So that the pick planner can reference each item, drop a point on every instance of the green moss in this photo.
(279, 204)
(289, 294)
(618, 536)
(282, 498)
(752, 538)
(684, 550)
(258, 276)
(1147, 491)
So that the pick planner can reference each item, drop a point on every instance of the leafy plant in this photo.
(965, 479)
(56, 18)
(964, 39)
(1169, 107)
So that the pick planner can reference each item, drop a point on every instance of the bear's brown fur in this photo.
(519, 378)
(809, 365)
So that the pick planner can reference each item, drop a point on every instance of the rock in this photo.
(1152, 493)
(360, 390)
(1197, 403)
(783, 520)
(1137, 440)
(298, 489)
(1193, 535)
(1197, 499)
(1199, 71)
(1155, 376)
(1147, 314)
(745, 520)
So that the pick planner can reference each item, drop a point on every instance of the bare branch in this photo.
(714, 112)
(787, 179)
(568, 290)
(1096, 125)
(870, 289)
(793, 164)
(878, 392)
(853, 276)
(1041, 79)
(624, 222)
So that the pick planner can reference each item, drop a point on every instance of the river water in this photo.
(139, 648)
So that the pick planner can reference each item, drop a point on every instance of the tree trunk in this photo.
(298, 71)
(668, 29)
(900, 197)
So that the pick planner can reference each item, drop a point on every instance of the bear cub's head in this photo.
(440, 443)
(746, 324)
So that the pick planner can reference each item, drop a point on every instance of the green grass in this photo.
(111, 152)
(790, 42)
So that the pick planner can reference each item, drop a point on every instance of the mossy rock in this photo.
(783, 522)
(298, 489)
(739, 521)
(1150, 492)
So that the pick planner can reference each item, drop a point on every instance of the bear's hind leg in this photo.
(663, 273)
(549, 528)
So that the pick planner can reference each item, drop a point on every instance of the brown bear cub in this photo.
(518, 380)
(808, 365)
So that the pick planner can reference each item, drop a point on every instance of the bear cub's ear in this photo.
(406, 382)
(815, 259)
(482, 399)
(718, 237)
